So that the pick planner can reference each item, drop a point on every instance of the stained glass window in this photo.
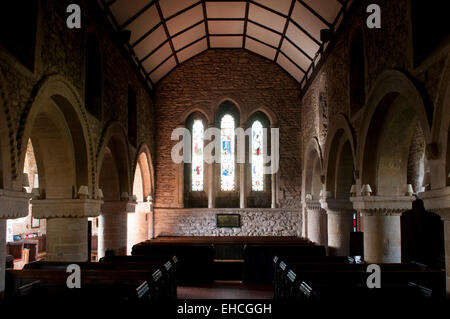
(197, 156)
(227, 172)
(257, 157)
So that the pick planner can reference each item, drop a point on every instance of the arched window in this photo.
(257, 157)
(197, 155)
(227, 169)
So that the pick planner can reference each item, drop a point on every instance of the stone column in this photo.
(275, 162)
(112, 227)
(438, 201)
(210, 185)
(382, 232)
(13, 204)
(339, 225)
(138, 225)
(242, 185)
(317, 222)
(67, 226)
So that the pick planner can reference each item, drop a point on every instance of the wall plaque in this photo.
(228, 220)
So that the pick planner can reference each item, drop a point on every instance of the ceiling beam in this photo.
(163, 21)
(247, 5)
(205, 20)
(137, 15)
(314, 12)
(284, 30)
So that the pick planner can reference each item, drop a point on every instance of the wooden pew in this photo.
(108, 284)
(167, 282)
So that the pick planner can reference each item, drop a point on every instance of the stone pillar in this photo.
(382, 232)
(275, 162)
(317, 222)
(438, 201)
(210, 186)
(67, 226)
(242, 185)
(339, 225)
(112, 227)
(138, 225)
(13, 204)
(273, 190)
(2, 256)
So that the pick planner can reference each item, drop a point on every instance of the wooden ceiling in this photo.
(161, 34)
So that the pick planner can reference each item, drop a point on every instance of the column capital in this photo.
(336, 206)
(119, 206)
(313, 205)
(67, 208)
(437, 201)
(13, 203)
(382, 205)
(143, 207)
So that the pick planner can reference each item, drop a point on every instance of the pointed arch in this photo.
(312, 169)
(144, 161)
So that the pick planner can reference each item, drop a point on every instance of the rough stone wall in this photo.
(254, 222)
(250, 80)
(61, 51)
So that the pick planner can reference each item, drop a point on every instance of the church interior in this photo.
(294, 150)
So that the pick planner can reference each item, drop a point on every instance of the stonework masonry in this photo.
(202, 222)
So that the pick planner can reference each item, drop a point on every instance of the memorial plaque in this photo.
(228, 220)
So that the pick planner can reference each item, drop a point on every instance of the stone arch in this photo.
(273, 119)
(313, 169)
(193, 109)
(144, 161)
(114, 138)
(393, 109)
(55, 118)
(441, 132)
(340, 147)
(243, 116)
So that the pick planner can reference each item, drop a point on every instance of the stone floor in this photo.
(226, 290)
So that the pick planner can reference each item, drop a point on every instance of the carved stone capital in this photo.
(382, 205)
(65, 208)
(313, 206)
(13, 204)
(437, 201)
(143, 207)
(118, 207)
(337, 206)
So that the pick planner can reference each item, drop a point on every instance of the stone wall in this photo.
(202, 222)
(247, 79)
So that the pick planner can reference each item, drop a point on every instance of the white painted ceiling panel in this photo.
(281, 6)
(125, 9)
(303, 41)
(266, 23)
(326, 8)
(260, 48)
(226, 42)
(170, 7)
(307, 20)
(192, 50)
(226, 27)
(150, 43)
(290, 67)
(263, 34)
(225, 9)
(185, 20)
(143, 23)
(156, 58)
(189, 36)
(295, 55)
(165, 68)
(267, 18)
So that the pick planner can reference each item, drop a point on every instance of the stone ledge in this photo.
(57, 208)
(13, 204)
(221, 210)
(337, 206)
(382, 205)
(437, 201)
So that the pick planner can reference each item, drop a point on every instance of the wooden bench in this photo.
(108, 284)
